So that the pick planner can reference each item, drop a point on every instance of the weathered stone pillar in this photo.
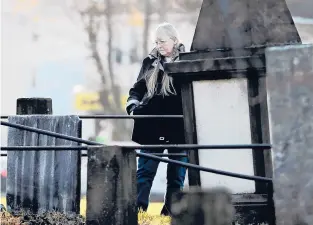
(111, 186)
(290, 99)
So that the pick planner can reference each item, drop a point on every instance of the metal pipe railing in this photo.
(120, 116)
(170, 146)
(205, 169)
(146, 155)
(60, 148)
(44, 148)
(49, 133)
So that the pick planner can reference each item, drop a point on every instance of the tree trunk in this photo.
(146, 27)
(93, 41)
(107, 77)
(163, 8)
(120, 130)
(115, 90)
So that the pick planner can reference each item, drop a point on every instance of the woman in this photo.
(156, 93)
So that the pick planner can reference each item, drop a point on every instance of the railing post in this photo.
(202, 207)
(111, 186)
(41, 181)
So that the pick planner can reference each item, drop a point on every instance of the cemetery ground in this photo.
(150, 218)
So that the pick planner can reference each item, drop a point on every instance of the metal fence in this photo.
(153, 156)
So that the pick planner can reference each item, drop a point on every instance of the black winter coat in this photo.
(149, 131)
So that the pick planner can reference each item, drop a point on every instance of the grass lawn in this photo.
(153, 210)
(150, 218)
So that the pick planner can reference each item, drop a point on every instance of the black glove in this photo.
(130, 108)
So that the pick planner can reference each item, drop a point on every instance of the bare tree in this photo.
(93, 17)
(146, 29)
(163, 9)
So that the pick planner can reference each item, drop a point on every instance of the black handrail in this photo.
(192, 166)
(49, 133)
(53, 148)
(186, 147)
(176, 146)
(44, 148)
(120, 116)
(187, 165)
(210, 170)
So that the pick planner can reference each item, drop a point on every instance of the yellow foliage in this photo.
(152, 217)
(148, 219)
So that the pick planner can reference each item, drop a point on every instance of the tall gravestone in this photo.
(111, 186)
(290, 99)
(224, 90)
(41, 181)
(225, 66)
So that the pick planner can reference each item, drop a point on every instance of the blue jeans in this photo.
(146, 172)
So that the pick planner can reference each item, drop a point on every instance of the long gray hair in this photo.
(167, 87)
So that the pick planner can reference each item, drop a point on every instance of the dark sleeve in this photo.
(138, 90)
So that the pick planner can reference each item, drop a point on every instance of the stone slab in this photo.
(290, 101)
